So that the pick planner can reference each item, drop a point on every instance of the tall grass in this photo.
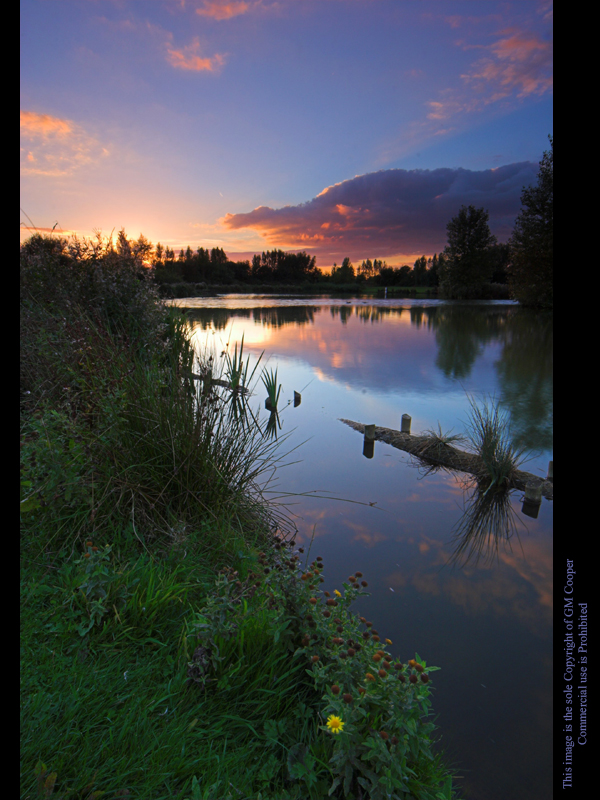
(488, 431)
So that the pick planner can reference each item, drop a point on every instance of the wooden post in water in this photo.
(550, 474)
(369, 441)
(406, 420)
(297, 399)
(532, 500)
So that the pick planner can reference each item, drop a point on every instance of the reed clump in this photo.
(488, 432)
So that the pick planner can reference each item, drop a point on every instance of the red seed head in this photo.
(335, 689)
(425, 677)
(413, 679)
(384, 735)
(347, 698)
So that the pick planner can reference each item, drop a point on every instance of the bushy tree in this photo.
(467, 264)
(531, 244)
(343, 274)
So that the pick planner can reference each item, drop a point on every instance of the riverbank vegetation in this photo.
(175, 640)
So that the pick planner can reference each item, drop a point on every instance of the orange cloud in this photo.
(222, 10)
(33, 124)
(188, 58)
(53, 146)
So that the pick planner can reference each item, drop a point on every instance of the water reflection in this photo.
(488, 523)
(426, 348)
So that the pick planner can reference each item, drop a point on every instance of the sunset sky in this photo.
(341, 127)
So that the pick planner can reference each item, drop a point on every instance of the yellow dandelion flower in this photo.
(338, 594)
(335, 724)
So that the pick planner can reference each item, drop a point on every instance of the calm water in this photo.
(486, 623)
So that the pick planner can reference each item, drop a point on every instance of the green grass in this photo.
(113, 709)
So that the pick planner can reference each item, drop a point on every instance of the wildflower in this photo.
(376, 657)
(366, 635)
(313, 600)
(362, 619)
(413, 679)
(376, 638)
(314, 659)
(386, 665)
(425, 678)
(364, 583)
(370, 677)
(382, 673)
(388, 641)
(347, 698)
(369, 624)
(326, 594)
(419, 667)
(394, 740)
(319, 558)
(86, 555)
(335, 688)
(340, 629)
(351, 651)
(304, 577)
(358, 574)
(335, 724)
(412, 663)
(336, 593)
(326, 613)
(384, 735)
(352, 579)
(94, 549)
(330, 602)
(362, 691)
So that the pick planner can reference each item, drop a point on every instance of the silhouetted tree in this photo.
(467, 265)
(531, 244)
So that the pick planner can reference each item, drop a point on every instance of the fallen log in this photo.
(434, 452)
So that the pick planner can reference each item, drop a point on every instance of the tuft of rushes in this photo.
(488, 431)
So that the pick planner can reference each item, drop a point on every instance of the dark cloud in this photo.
(390, 214)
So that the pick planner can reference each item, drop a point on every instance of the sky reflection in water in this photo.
(487, 623)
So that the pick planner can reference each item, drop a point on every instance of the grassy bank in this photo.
(175, 642)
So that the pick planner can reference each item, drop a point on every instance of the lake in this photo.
(486, 620)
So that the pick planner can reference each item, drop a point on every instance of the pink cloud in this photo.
(522, 63)
(188, 58)
(389, 213)
(222, 10)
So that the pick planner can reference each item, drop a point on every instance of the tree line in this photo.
(471, 261)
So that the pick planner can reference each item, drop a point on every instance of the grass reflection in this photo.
(488, 522)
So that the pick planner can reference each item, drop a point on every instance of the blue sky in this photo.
(339, 127)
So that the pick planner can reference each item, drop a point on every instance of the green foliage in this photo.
(467, 265)
(385, 746)
(531, 244)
